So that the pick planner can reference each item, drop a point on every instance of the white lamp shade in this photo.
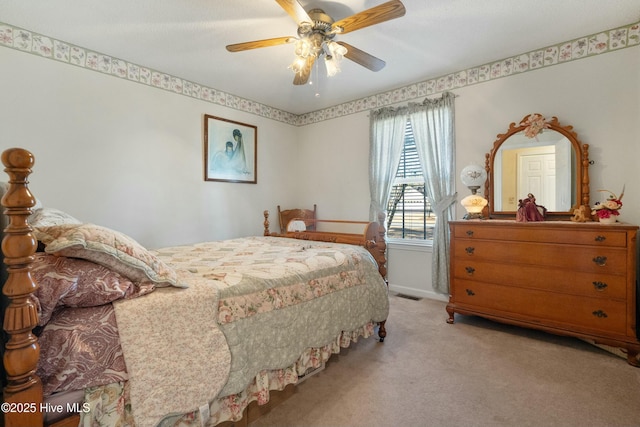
(473, 176)
(474, 204)
(296, 225)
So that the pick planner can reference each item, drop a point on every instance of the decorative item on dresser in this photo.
(474, 177)
(607, 212)
(567, 275)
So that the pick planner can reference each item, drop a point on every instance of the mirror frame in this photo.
(581, 174)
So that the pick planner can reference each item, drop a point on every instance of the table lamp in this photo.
(473, 176)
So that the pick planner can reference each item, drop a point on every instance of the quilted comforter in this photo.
(279, 296)
(274, 298)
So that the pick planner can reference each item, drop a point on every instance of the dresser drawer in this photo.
(593, 314)
(596, 285)
(607, 260)
(601, 236)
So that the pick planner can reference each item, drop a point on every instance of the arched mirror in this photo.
(541, 157)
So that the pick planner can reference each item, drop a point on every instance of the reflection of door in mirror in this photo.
(542, 167)
(537, 175)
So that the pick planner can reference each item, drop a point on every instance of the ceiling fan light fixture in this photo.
(333, 66)
(336, 50)
(298, 64)
(333, 56)
(304, 29)
(303, 48)
(316, 31)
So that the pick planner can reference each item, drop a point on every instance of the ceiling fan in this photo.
(316, 31)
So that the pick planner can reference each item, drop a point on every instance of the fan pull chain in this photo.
(317, 71)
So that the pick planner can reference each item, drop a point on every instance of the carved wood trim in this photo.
(581, 174)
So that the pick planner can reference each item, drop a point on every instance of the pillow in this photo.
(71, 282)
(109, 248)
(46, 217)
(80, 348)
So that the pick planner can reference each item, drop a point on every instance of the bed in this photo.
(102, 331)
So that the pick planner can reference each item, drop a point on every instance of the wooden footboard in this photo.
(373, 239)
(23, 390)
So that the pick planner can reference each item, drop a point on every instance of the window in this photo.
(409, 214)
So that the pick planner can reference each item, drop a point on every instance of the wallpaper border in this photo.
(47, 47)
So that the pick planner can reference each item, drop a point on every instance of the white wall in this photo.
(599, 96)
(130, 156)
(334, 155)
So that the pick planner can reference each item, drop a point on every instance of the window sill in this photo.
(410, 244)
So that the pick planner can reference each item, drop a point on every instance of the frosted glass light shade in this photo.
(474, 204)
(473, 176)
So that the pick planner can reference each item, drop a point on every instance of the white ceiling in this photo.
(187, 39)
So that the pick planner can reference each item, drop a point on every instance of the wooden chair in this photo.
(305, 214)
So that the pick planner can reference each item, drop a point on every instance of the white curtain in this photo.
(433, 130)
(386, 140)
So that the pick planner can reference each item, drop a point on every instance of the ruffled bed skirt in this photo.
(111, 406)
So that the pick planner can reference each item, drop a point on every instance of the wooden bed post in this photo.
(23, 393)
(376, 244)
(266, 223)
(381, 245)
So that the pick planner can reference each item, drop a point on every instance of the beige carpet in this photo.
(472, 373)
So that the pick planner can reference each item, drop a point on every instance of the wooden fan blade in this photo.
(302, 77)
(259, 43)
(386, 11)
(363, 58)
(295, 10)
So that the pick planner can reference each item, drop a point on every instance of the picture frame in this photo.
(230, 151)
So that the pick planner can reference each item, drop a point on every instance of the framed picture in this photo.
(230, 151)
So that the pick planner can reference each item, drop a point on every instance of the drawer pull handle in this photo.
(470, 270)
(469, 250)
(600, 260)
(600, 286)
(599, 313)
(470, 233)
(470, 292)
(600, 239)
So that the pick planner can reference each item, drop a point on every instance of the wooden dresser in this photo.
(567, 278)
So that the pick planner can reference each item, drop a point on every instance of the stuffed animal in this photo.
(581, 214)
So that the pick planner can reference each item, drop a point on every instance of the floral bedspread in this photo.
(110, 405)
(279, 296)
(176, 355)
(280, 302)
